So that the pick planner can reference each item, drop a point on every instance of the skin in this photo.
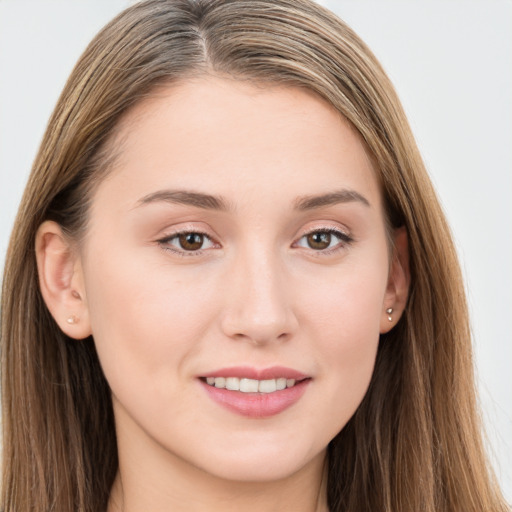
(256, 294)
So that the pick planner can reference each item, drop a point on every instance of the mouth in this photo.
(245, 385)
(255, 393)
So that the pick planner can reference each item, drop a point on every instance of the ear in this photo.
(399, 280)
(61, 280)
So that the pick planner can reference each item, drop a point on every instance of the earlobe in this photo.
(61, 280)
(399, 279)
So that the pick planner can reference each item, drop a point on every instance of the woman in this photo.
(238, 298)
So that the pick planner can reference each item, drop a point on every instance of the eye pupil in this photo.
(191, 241)
(319, 240)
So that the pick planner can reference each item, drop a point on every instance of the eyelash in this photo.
(344, 240)
(164, 242)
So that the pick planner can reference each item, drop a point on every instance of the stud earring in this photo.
(72, 319)
(389, 311)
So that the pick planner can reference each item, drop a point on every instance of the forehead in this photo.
(231, 136)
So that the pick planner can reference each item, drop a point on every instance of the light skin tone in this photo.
(290, 266)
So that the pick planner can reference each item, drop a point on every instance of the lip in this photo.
(247, 372)
(257, 405)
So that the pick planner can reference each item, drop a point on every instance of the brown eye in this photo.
(187, 243)
(325, 241)
(191, 241)
(319, 240)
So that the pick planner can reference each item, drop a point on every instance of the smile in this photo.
(251, 385)
(255, 393)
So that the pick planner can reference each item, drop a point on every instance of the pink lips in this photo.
(246, 372)
(257, 405)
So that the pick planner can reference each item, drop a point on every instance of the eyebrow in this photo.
(306, 203)
(210, 202)
(197, 199)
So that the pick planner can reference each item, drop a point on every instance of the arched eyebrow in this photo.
(210, 202)
(188, 198)
(306, 203)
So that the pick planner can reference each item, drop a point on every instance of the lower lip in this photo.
(257, 405)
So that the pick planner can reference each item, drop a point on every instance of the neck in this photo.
(171, 484)
(226, 497)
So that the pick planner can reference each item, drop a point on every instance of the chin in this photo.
(263, 466)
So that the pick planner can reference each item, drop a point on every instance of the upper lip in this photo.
(247, 372)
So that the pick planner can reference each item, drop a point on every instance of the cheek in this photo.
(347, 305)
(143, 321)
(344, 321)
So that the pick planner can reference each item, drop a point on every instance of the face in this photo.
(240, 241)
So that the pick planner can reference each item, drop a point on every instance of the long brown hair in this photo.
(414, 443)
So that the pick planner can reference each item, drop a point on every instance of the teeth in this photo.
(281, 383)
(251, 385)
(267, 386)
(248, 385)
(233, 383)
(220, 382)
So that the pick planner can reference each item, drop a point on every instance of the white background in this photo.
(451, 61)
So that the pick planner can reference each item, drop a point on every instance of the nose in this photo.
(258, 308)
